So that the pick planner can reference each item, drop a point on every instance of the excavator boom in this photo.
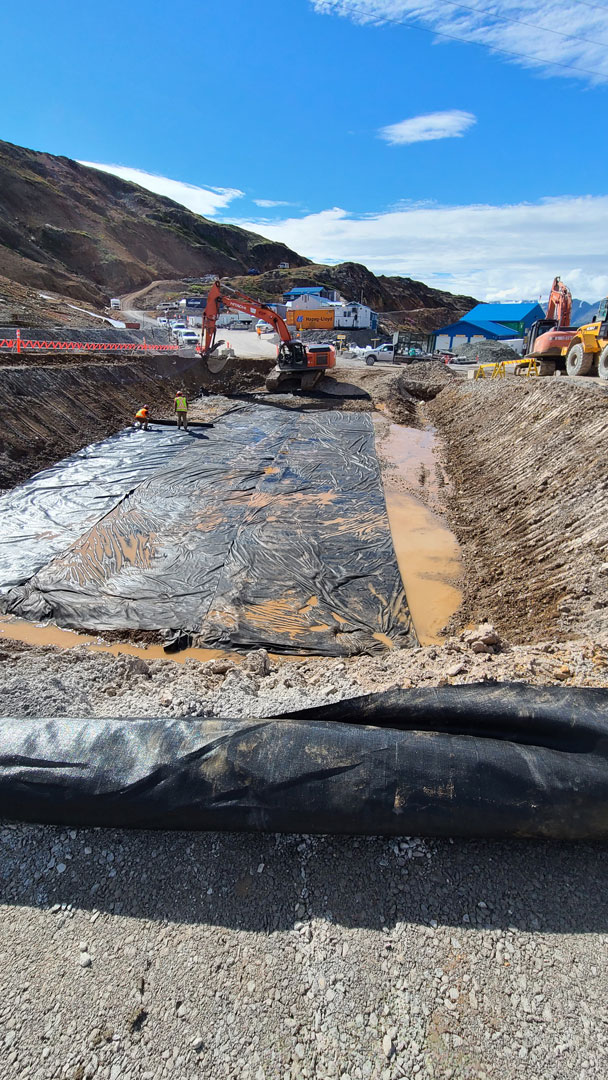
(236, 301)
(560, 303)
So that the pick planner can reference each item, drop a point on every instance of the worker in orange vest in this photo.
(142, 417)
(181, 409)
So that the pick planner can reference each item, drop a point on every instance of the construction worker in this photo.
(181, 409)
(142, 417)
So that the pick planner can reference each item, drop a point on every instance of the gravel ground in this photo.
(139, 955)
(263, 957)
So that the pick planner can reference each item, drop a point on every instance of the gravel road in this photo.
(261, 957)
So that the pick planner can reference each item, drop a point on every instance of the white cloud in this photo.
(271, 202)
(205, 201)
(501, 252)
(549, 36)
(438, 125)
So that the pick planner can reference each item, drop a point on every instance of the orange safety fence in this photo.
(20, 344)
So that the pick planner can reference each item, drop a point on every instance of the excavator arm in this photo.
(560, 303)
(237, 301)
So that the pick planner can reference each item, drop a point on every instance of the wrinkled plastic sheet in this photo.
(42, 517)
(268, 530)
(500, 761)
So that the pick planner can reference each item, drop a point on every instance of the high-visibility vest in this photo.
(180, 404)
(142, 414)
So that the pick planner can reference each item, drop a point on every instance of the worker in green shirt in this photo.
(181, 409)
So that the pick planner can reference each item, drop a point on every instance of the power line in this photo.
(520, 22)
(470, 41)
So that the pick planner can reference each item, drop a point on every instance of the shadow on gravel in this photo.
(267, 882)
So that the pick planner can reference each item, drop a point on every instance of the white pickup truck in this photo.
(379, 354)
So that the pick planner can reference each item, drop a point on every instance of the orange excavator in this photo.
(548, 339)
(297, 364)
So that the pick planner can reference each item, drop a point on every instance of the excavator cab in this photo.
(292, 356)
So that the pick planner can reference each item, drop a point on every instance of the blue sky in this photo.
(309, 103)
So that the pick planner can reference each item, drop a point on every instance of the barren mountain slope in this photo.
(88, 234)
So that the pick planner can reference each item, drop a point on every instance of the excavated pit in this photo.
(496, 492)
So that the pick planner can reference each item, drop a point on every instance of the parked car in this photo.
(162, 321)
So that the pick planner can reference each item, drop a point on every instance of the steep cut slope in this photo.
(403, 300)
(87, 234)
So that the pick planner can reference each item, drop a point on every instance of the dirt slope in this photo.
(87, 234)
(529, 503)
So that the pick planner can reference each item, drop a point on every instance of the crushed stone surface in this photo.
(152, 955)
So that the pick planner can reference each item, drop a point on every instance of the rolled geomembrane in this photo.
(507, 760)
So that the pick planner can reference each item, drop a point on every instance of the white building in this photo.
(354, 316)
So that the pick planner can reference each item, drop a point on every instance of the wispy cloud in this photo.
(205, 201)
(271, 202)
(438, 125)
(566, 39)
(500, 252)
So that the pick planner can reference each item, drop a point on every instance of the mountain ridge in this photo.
(90, 235)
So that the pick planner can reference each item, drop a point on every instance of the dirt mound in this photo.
(487, 352)
(529, 503)
(424, 380)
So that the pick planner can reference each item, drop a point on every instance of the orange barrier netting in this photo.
(85, 346)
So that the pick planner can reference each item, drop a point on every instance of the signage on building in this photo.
(196, 302)
(322, 319)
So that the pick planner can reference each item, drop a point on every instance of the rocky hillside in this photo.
(403, 301)
(89, 235)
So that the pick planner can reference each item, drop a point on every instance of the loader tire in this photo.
(579, 362)
(602, 367)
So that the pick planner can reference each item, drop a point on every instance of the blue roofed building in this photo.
(493, 322)
(518, 317)
(310, 290)
(465, 330)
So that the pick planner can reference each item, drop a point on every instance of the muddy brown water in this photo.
(427, 551)
(48, 634)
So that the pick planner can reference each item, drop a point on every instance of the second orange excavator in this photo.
(298, 364)
(548, 338)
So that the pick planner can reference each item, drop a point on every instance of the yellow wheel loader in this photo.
(587, 350)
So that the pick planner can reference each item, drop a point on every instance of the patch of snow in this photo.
(45, 296)
(104, 318)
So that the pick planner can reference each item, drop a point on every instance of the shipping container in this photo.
(303, 319)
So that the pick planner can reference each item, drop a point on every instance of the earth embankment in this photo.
(529, 503)
(49, 412)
